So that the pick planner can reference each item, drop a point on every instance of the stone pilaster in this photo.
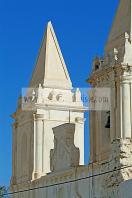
(126, 115)
(38, 142)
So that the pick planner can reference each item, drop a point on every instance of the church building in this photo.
(48, 133)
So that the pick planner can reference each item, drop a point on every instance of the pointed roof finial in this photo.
(50, 70)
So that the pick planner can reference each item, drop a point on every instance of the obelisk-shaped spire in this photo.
(50, 69)
(122, 24)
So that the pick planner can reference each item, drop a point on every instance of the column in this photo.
(118, 109)
(126, 108)
(38, 142)
(113, 112)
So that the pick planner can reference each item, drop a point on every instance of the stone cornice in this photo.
(67, 107)
(119, 71)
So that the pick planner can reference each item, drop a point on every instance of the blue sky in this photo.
(82, 29)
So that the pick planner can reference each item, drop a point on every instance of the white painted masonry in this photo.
(48, 142)
(56, 104)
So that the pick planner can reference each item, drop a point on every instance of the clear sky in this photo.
(82, 29)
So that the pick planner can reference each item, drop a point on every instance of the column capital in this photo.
(126, 81)
(39, 116)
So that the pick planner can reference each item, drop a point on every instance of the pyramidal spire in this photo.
(50, 69)
(122, 24)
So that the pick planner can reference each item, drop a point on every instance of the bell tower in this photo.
(114, 71)
(52, 104)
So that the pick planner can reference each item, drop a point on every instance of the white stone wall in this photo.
(84, 188)
(101, 180)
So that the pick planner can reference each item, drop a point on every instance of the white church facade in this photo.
(48, 139)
